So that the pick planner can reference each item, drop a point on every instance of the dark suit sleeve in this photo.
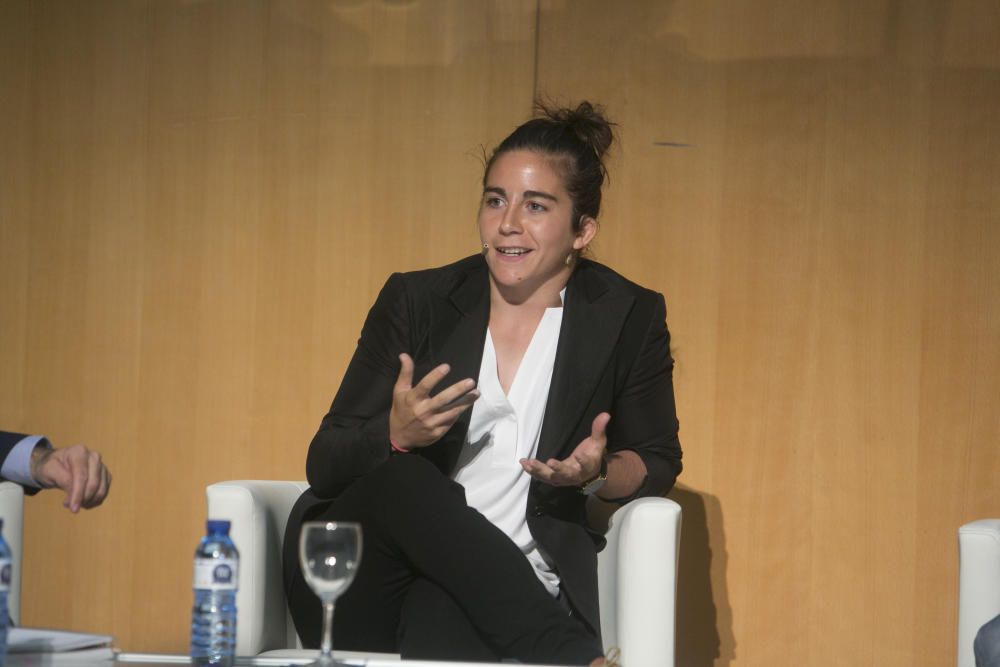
(7, 442)
(644, 416)
(354, 436)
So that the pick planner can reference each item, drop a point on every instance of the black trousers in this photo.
(437, 580)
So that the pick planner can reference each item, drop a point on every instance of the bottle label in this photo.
(216, 575)
(4, 575)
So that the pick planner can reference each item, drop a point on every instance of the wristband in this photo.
(396, 449)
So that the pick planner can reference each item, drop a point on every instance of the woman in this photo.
(476, 546)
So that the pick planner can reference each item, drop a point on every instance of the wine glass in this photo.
(330, 553)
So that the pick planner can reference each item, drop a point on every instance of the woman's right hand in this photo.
(418, 419)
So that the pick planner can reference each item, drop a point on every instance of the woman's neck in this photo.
(546, 295)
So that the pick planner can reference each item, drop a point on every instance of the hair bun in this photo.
(586, 121)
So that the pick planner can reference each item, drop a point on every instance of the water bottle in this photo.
(5, 573)
(213, 619)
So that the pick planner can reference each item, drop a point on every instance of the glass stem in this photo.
(326, 648)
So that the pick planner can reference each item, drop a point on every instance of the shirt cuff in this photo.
(17, 466)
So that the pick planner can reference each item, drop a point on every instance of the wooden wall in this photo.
(199, 200)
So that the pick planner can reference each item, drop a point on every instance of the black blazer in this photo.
(613, 355)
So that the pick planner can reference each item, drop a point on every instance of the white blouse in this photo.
(503, 430)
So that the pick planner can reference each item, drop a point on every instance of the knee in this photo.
(409, 480)
(410, 472)
(408, 465)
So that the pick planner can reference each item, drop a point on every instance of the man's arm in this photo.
(76, 470)
(34, 463)
(15, 459)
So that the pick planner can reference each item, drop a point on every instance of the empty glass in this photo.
(330, 553)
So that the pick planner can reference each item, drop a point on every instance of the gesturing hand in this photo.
(76, 470)
(579, 467)
(417, 419)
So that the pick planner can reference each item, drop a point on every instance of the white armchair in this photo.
(637, 571)
(12, 513)
(978, 582)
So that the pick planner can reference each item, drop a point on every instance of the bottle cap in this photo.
(218, 526)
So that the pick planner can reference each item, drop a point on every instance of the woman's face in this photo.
(525, 217)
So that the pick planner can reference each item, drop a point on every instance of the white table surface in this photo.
(304, 658)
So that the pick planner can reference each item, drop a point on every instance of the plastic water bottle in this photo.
(5, 573)
(213, 619)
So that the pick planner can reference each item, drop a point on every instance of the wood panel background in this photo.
(199, 200)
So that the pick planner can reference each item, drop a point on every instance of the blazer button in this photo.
(537, 510)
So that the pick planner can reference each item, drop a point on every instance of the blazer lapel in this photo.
(457, 338)
(593, 317)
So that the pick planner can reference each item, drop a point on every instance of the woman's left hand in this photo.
(578, 468)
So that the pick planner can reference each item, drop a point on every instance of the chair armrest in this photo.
(978, 582)
(258, 511)
(12, 513)
(637, 575)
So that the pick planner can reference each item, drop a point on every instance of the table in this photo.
(159, 660)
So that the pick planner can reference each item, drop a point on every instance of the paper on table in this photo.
(37, 640)
(83, 656)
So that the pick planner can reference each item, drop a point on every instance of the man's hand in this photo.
(578, 468)
(416, 418)
(76, 470)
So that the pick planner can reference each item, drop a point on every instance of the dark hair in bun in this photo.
(579, 138)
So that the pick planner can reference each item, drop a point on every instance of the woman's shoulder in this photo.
(443, 279)
(593, 276)
(448, 272)
(435, 283)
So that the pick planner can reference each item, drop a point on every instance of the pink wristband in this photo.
(397, 449)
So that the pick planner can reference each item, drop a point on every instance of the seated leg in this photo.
(417, 524)
(434, 627)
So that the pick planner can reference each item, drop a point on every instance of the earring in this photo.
(569, 258)
(486, 248)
